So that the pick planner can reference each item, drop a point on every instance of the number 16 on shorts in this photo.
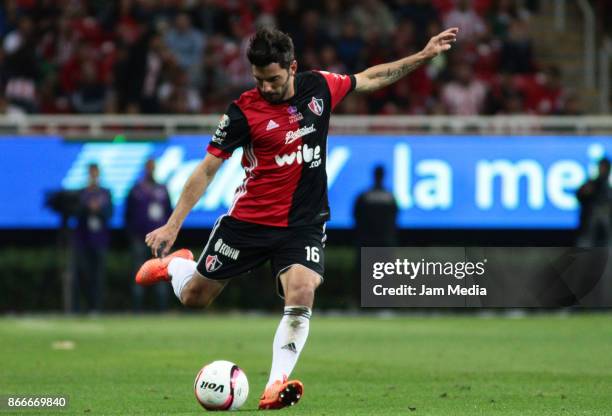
(312, 254)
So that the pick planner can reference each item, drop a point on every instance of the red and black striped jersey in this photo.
(284, 150)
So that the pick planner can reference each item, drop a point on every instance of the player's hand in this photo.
(161, 240)
(441, 42)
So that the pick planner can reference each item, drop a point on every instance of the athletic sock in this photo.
(181, 271)
(289, 341)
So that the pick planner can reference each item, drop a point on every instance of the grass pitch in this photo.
(542, 365)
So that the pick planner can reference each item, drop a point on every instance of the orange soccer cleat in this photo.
(156, 270)
(281, 394)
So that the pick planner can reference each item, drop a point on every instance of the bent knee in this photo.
(302, 292)
(194, 298)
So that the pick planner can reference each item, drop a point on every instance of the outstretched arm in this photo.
(194, 188)
(380, 76)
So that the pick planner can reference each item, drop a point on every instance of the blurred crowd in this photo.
(188, 56)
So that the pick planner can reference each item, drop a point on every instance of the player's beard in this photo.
(279, 97)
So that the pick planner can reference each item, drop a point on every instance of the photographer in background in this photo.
(147, 208)
(91, 241)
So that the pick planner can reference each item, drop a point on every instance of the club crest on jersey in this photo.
(212, 263)
(316, 105)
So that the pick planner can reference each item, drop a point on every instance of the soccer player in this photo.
(280, 209)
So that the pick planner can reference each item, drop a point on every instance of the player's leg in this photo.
(300, 269)
(193, 289)
(299, 284)
(233, 249)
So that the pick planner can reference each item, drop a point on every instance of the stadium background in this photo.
(116, 82)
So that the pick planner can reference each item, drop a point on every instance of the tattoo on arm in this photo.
(392, 75)
(382, 75)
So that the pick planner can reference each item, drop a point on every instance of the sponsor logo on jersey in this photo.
(219, 133)
(224, 122)
(271, 125)
(219, 136)
(316, 105)
(294, 114)
(303, 154)
(292, 136)
(212, 263)
(227, 251)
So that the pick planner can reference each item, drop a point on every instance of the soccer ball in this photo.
(221, 385)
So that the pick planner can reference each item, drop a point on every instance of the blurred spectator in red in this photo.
(178, 96)
(329, 60)
(235, 66)
(471, 26)
(52, 99)
(90, 96)
(544, 92)
(310, 60)
(503, 95)
(71, 70)
(464, 95)
(124, 42)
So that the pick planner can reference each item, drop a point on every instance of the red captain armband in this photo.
(215, 151)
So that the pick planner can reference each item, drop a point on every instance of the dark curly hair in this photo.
(270, 45)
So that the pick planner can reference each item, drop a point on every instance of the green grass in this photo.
(542, 365)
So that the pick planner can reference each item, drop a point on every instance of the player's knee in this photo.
(193, 298)
(302, 292)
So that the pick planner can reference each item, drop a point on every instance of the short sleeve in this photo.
(232, 133)
(339, 86)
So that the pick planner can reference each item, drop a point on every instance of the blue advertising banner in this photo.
(438, 181)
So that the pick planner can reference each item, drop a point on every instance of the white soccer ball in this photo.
(221, 385)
